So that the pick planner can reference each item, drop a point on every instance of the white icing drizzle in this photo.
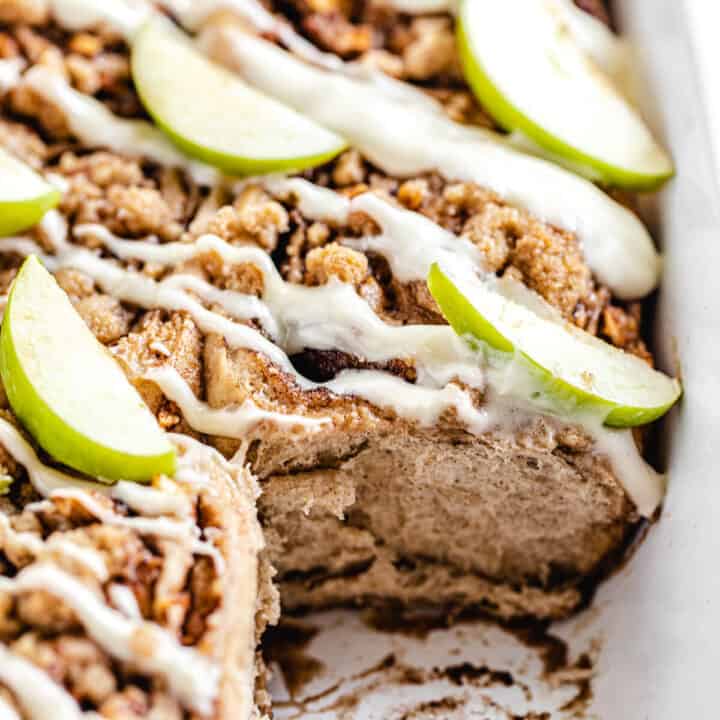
(192, 677)
(44, 479)
(412, 243)
(7, 711)
(123, 598)
(10, 71)
(34, 688)
(54, 227)
(416, 136)
(192, 470)
(226, 422)
(238, 305)
(96, 126)
(125, 16)
(645, 487)
(313, 201)
(90, 558)
(161, 348)
(151, 501)
(332, 316)
(159, 526)
(52, 483)
(424, 405)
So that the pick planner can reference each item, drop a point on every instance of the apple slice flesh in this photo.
(24, 196)
(564, 367)
(68, 391)
(214, 116)
(526, 68)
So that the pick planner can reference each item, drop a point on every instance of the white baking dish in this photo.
(651, 633)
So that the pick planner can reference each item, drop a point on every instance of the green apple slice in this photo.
(214, 116)
(528, 71)
(68, 391)
(564, 367)
(24, 196)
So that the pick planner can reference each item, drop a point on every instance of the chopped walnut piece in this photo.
(33, 44)
(432, 50)
(412, 193)
(317, 234)
(333, 32)
(40, 50)
(83, 74)
(333, 260)
(462, 107)
(21, 141)
(85, 44)
(349, 169)
(622, 328)
(32, 647)
(88, 672)
(174, 193)
(362, 224)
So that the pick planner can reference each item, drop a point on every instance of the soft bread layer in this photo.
(507, 524)
(538, 508)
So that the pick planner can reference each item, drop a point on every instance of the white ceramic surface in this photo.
(653, 629)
